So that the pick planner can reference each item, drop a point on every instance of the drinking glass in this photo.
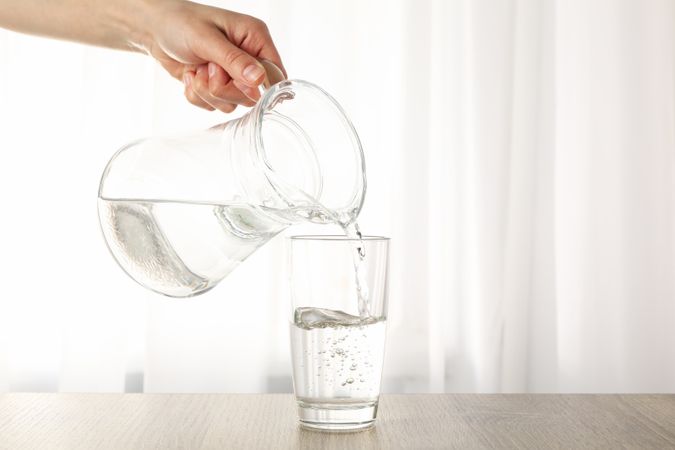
(338, 319)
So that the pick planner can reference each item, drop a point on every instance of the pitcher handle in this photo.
(273, 75)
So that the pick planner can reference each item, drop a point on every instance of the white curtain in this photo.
(521, 154)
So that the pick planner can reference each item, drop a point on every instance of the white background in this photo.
(521, 154)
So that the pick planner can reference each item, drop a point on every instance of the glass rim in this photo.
(337, 238)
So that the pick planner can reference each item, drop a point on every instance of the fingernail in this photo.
(212, 69)
(200, 70)
(253, 72)
(187, 79)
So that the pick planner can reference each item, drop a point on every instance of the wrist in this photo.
(133, 21)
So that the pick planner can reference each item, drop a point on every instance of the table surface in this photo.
(240, 421)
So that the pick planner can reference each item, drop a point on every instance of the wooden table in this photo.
(123, 421)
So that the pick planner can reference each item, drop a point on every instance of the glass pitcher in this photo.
(179, 213)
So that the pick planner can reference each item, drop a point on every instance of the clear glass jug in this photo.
(180, 213)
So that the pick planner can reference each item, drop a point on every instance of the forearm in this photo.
(119, 24)
(216, 53)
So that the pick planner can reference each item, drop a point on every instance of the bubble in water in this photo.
(349, 368)
(361, 248)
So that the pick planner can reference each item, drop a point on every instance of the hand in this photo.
(212, 50)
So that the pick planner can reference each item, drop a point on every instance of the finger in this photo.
(200, 84)
(267, 48)
(239, 65)
(225, 107)
(252, 35)
(251, 93)
(191, 95)
(221, 86)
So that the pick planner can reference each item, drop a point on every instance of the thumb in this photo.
(236, 62)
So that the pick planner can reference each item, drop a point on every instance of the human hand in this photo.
(212, 51)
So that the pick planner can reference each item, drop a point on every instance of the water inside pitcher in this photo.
(179, 213)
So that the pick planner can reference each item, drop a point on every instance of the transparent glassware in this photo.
(337, 347)
(179, 213)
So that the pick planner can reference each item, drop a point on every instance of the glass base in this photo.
(337, 416)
